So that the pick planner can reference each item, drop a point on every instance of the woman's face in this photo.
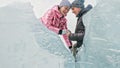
(64, 10)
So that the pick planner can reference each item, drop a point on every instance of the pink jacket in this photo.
(54, 21)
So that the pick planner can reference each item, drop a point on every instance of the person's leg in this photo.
(74, 50)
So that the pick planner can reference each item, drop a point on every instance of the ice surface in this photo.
(26, 43)
(102, 40)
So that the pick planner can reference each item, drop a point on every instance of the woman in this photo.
(55, 20)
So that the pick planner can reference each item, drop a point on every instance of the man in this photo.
(79, 10)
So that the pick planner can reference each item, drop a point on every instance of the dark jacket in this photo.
(80, 28)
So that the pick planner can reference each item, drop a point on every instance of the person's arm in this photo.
(76, 36)
(49, 21)
(64, 31)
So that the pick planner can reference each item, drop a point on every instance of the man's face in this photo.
(76, 10)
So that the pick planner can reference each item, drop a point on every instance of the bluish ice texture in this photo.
(102, 40)
(26, 43)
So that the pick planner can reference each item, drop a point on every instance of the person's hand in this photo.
(68, 33)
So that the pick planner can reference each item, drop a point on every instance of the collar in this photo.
(80, 13)
(84, 10)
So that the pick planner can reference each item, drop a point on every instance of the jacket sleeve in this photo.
(49, 21)
(67, 40)
(65, 25)
(76, 36)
